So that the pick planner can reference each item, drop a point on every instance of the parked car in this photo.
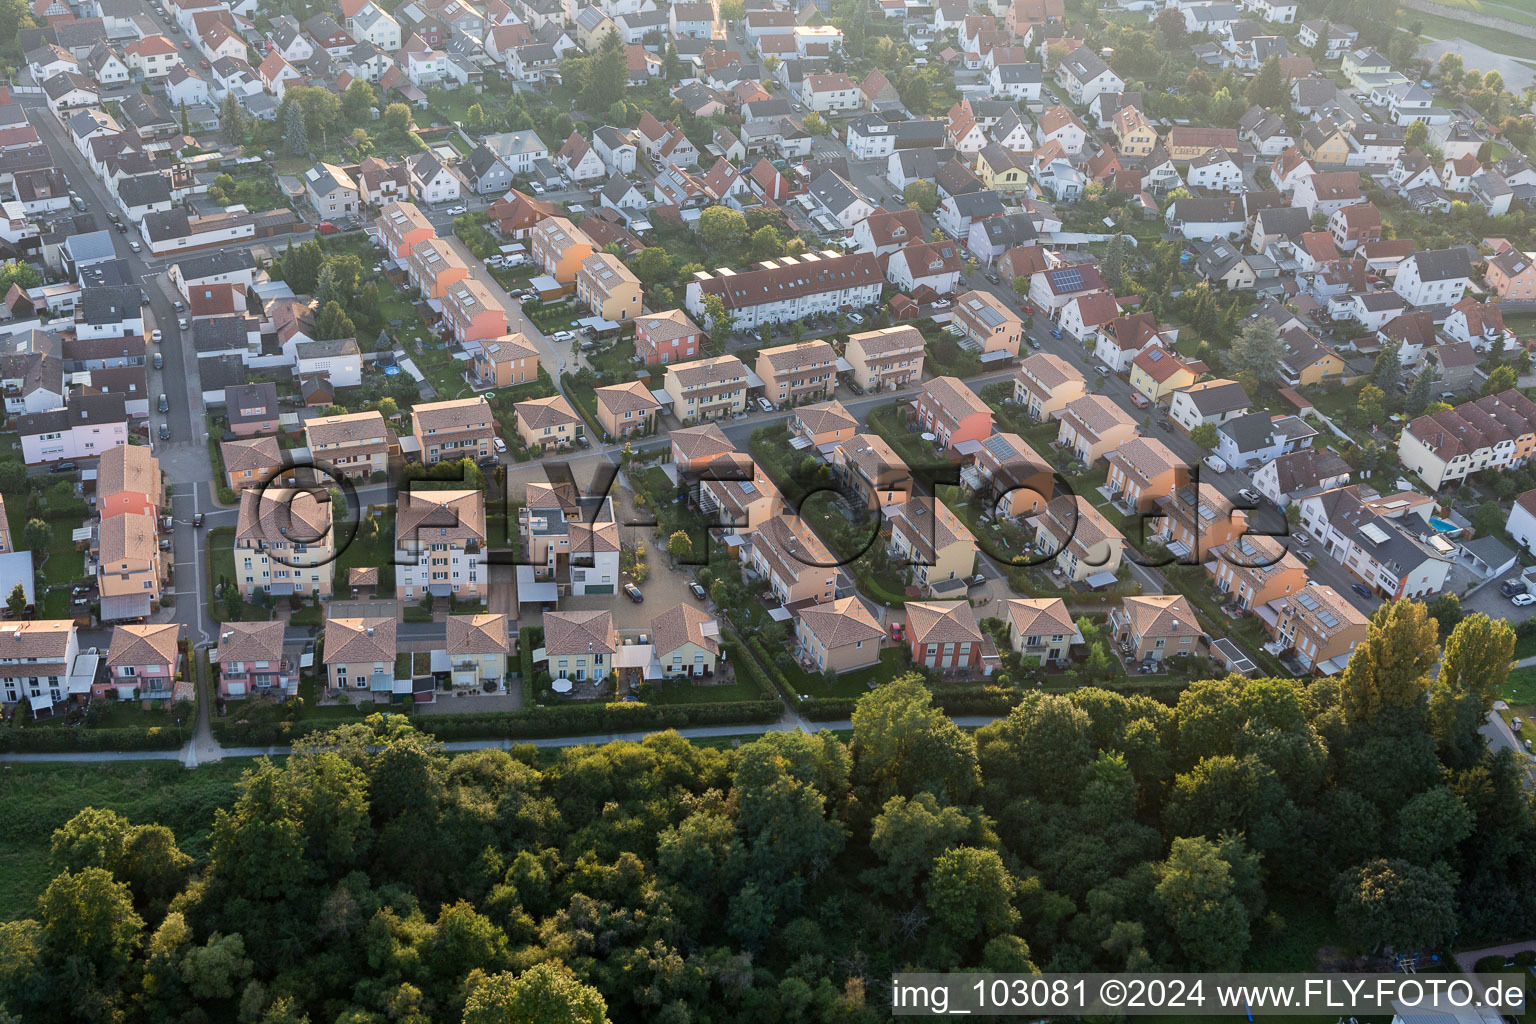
(1034, 342)
(179, 304)
(976, 580)
(538, 189)
(1056, 332)
(135, 246)
(325, 227)
(499, 445)
(1248, 494)
(583, 440)
(159, 361)
(454, 211)
(155, 335)
(1512, 586)
(853, 386)
(764, 404)
(165, 403)
(564, 336)
(940, 303)
(1102, 370)
(1216, 464)
(165, 431)
(1139, 400)
(1361, 589)
(897, 630)
(698, 591)
(1521, 600)
(79, 203)
(633, 593)
(856, 318)
(63, 467)
(182, 323)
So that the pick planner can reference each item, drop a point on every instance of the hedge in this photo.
(954, 699)
(75, 738)
(533, 723)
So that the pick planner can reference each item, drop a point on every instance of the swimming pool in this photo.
(1441, 526)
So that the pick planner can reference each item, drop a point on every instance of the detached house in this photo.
(1155, 627)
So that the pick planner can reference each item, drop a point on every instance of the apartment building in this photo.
(572, 544)
(284, 542)
(1155, 627)
(1041, 630)
(608, 288)
(789, 288)
(1092, 427)
(887, 359)
(870, 467)
(795, 374)
(1492, 432)
(1046, 383)
(1143, 471)
(434, 266)
(356, 445)
(360, 654)
(1196, 519)
(1316, 626)
(741, 505)
(824, 423)
(707, 389)
(440, 544)
(252, 659)
(461, 428)
(1084, 545)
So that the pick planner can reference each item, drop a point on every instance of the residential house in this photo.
(944, 635)
(1212, 401)
(825, 423)
(250, 461)
(1316, 626)
(872, 469)
(542, 422)
(790, 288)
(1365, 537)
(1046, 383)
(456, 429)
(506, 361)
(787, 554)
(331, 190)
(666, 337)
(838, 636)
(1255, 569)
(1157, 373)
(143, 662)
(1434, 277)
(608, 287)
(1083, 544)
(403, 226)
(625, 409)
(706, 388)
(1487, 433)
(931, 541)
(560, 247)
(353, 444)
(284, 542)
(797, 373)
(477, 648)
(936, 265)
(440, 541)
(1041, 630)
(36, 659)
(1093, 426)
(685, 642)
(129, 570)
(988, 322)
(360, 654)
(252, 659)
(1196, 519)
(886, 359)
(1142, 472)
(1155, 627)
(952, 412)
(1511, 274)
(1261, 437)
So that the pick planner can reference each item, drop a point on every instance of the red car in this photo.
(897, 629)
(325, 227)
(203, 63)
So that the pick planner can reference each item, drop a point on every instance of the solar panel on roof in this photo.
(1069, 279)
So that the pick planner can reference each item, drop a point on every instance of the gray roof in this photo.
(1223, 398)
(1443, 264)
(1010, 229)
(1257, 430)
(834, 193)
(62, 83)
(216, 373)
(977, 204)
(93, 245)
(144, 190)
(86, 409)
(220, 334)
(111, 305)
(251, 396)
(226, 261)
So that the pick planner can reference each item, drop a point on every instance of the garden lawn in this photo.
(369, 550)
(689, 693)
(1520, 687)
(893, 662)
(64, 564)
(221, 566)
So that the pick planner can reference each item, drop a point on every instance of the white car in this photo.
(563, 336)
(499, 445)
(456, 210)
(1521, 600)
(182, 323)
(856, 318)
(155, 334)
(135, 246)
(765, 405)
(538, 189)
(1101, 368)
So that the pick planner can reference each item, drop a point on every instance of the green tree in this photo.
(301, 266)
(1422, 391)
(718, 318)
(607, 75)
(1205, 436)
(679, 545)
(1417, 136)
(1477, 657)
(295, 134)
(333, 322)
(908, 835)
(1387, 371)
(723, 230)
(1370, 409)
(903, 745)
(1390, 667)
(1431, 824)
(1488, 519)
(1197, 897)
(1502, 379)
(37, 535)
(921, 195)
(1113, 264)
(16, 603)
(971, 893)
(90, 930)
(357, 101)
(25, 275)
(1257, 351)
(767, 243)
(1395, 903)
(397, 117)
(233, 120)
(814, 123)
(1269, 88)
(653, 266)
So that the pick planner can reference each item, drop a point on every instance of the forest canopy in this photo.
(371, 877)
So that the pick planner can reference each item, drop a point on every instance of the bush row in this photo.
(531, 723)
(954, 699)
(65, 740)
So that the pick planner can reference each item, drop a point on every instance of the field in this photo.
(1514, 10)
(44, 797)
(1438, 27)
